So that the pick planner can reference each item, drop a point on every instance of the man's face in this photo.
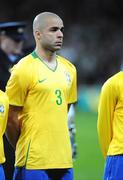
(10, 46)
(51, 37)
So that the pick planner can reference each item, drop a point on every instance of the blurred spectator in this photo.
(12, 36)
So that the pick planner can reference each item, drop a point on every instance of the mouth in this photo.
(58, 43)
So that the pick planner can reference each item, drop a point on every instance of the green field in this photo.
(89, 163)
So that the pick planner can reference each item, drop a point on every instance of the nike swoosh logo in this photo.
(40, 81)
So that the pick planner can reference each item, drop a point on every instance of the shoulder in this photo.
(3, 94)
(4, 103)
(66, 63)
(114, 81)
(115, 78)
(3, 97)
(27, 60)
(23, 72)
(24, 65)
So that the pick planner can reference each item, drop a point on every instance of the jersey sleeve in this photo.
(4, 107)
(18, 85)
(107, 102)
(72, 98)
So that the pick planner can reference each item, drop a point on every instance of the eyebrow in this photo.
(56, 27)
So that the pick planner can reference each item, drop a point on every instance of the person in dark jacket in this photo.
(12, 36)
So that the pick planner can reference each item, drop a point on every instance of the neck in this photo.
(47, 56)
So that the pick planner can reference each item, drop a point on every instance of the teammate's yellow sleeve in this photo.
(105, 115)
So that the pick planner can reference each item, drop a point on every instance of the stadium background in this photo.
(93, 42)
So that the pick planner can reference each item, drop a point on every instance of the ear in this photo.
(38, 35)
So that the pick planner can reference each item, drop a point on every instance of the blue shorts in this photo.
(2, 175)
(50, 174)
(114, 168)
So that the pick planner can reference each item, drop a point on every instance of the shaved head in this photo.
(41, 20)
(48, 31)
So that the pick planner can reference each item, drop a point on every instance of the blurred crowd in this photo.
(93, 33)
(95, 49)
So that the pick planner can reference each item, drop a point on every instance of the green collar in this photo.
(35, 56)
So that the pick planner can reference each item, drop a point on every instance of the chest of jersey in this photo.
(50, 87)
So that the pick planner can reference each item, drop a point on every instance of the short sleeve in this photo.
(18, 85)
(73, 90)
(4, 106)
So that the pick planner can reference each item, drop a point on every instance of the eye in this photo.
(62, 29)
(54, 29)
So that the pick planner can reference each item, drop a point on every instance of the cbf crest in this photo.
(68, 77)
(1, 109)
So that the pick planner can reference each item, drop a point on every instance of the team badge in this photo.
(1, 108)
(68, 77)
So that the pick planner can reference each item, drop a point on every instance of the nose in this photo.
(60, 34)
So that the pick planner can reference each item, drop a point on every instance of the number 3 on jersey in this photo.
(59, 98)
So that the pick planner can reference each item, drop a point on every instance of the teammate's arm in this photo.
(106, 108)
(13, 125)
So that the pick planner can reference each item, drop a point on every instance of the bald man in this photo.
(41, 88)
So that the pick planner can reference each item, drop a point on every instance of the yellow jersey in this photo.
(44, 142)
(4, 106)
(110, 116)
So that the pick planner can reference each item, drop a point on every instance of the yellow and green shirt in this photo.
(110, 116)
(4, 106)
(44, 141)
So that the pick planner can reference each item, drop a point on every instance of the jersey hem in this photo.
(46, 167)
